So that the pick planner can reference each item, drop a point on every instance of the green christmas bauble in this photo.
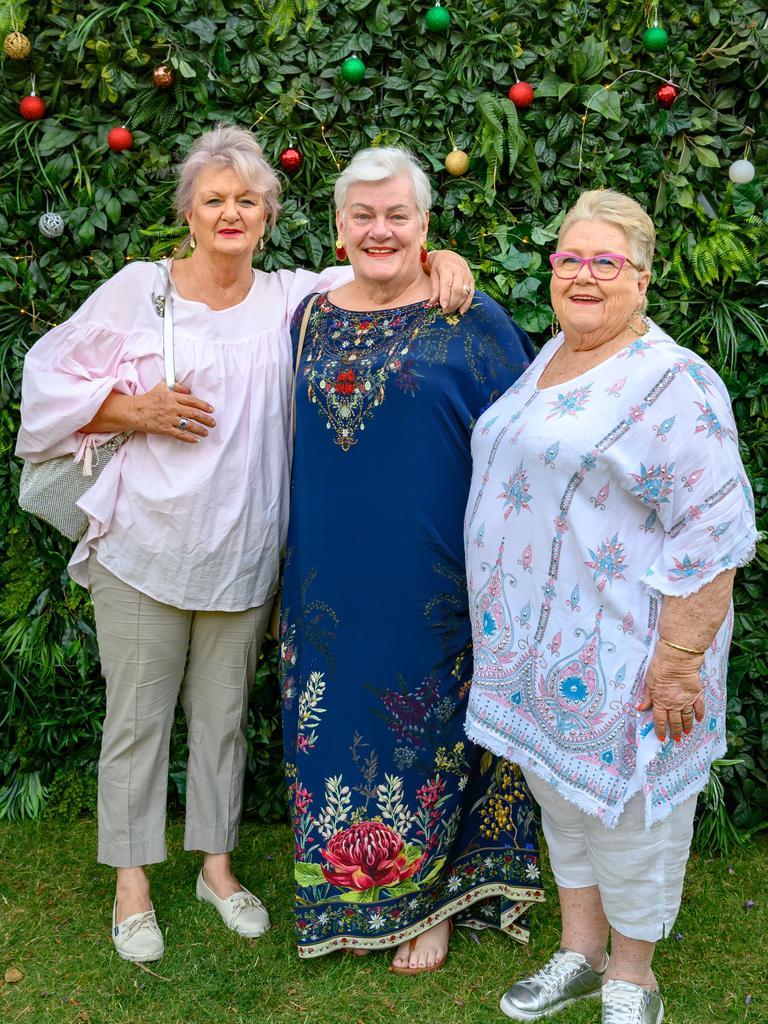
(353, 70)
(437, 19)
(655, 39)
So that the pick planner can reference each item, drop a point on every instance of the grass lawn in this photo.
(55, 907)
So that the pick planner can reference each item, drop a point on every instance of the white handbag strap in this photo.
(168, 360)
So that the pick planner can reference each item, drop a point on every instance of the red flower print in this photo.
(430, 793)
(345, 382)
(367, 854)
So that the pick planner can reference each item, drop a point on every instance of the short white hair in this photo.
(379, 163)
(620, 211)
(229, 146)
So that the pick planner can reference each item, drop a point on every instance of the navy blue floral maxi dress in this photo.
(399, 821)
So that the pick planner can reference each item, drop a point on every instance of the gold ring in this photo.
(466, 289)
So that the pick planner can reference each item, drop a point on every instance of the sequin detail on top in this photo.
(352, 358)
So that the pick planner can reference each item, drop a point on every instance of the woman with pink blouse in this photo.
(186, 522)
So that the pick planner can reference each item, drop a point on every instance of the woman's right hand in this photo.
(161, 411)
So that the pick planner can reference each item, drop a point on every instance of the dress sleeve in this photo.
(697, 486)
(499, 351)
(70, 371)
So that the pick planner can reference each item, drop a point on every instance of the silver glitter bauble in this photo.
(51, 225)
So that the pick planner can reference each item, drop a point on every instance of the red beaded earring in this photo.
(341, 251)
(424, 255)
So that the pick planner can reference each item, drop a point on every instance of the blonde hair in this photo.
(379, 163)
(229, 146)
(621, 212)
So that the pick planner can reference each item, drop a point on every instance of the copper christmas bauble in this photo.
(162, 76)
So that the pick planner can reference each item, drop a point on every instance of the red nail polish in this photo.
(639, 707)
(687, 732)
(677, 739)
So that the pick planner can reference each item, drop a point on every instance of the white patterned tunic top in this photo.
(589, 501)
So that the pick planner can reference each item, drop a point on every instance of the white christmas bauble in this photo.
(51, 225)
(741, 171)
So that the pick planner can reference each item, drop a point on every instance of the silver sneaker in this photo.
(566, 978)
(625, 1003)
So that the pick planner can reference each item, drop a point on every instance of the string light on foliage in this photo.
(163, 77)
(741, 172)
(291, 159)
(51, 224)
(119, 139)
(353, 70)
(437, 18)
(16, 46)
(32, 107)
(666, 95)
(457, 162)
(522, 95)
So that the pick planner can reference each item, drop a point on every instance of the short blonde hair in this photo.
(621, 212)
(228, 146)
(379, 163)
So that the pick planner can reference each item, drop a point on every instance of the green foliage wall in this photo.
(275, 68)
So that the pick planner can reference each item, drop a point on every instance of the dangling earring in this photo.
(261, 244)
(645, 323)
(423, 255)
(341, 252)
(555, 325)
(192, 241)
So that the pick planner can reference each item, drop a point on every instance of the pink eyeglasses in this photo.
(605, 267)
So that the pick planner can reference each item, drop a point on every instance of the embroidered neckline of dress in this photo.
(351, 356)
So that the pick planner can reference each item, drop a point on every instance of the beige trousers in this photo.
(151, 654)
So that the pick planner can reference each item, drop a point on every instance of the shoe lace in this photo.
(245, 901)
(623, 1006)
(558, 970)
(145, 920)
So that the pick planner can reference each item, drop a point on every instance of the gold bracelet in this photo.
(677, 647)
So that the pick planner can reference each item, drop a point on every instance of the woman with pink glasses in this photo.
(608, 511)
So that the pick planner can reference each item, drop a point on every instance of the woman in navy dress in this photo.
(400, 822)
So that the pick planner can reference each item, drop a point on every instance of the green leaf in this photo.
(515, 260)
(369, 896)
(412, 852)
(402, 888)
(606, 102)
(308, 875)
(56, 138)
(437, 868)
(706, 157)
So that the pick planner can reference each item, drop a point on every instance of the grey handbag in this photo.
(50, 490)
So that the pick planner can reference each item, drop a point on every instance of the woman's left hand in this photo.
(453, 286)
(673, 689)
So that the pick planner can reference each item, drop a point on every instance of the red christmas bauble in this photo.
(32, 108)
(291, 159)
(666, 95)
(522, 95)
(119, 139)
(162, 76)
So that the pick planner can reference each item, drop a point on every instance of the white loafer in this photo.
(242, 912)
(138, 937)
